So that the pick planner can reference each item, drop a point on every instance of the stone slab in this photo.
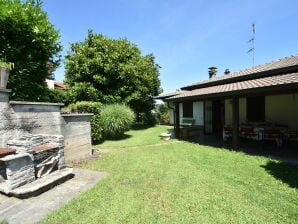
(34, 209)
(40, 185)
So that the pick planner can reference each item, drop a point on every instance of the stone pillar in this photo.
(4, 116)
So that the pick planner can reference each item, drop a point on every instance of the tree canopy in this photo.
(30, 41)
(112, 71)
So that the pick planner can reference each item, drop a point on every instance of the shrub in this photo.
(83, 92)
(115, 119)
(148, 118)
(96, 130)
(164, 118)
(84, 107)
(162, 111)
(58, 96)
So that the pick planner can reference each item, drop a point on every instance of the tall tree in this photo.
(28, 39)
(112, 71)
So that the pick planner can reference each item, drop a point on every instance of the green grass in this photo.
(138, 136)
(182, 182)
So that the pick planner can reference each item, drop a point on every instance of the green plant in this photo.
(89, 107)
(164, 118)
(96, 130)
(84, 107)
(31, 41)
(179, 182)
(112, 71)
(148, 118)
(116, 119)
(8, 65)
(162, 111)
(83, 91)
(58, 96)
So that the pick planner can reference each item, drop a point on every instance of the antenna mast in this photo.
(252, 41)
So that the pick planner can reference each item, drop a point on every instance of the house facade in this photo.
(259, 102)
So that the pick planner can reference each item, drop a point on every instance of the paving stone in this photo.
(32, 210)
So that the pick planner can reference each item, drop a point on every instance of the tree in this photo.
(115, 69)
(28, 39)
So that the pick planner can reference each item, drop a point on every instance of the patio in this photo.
(34, 209)
(267, 148)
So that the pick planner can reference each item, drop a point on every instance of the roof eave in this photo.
(278, 89)
(289, 69)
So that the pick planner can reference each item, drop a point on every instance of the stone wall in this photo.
(77, 136)
(20, 118)
(3, 176)
(19, 170)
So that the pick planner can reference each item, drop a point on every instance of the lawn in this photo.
(154, 181)
(138, 136)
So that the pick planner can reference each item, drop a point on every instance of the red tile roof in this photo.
(272, 81)
(60, 85)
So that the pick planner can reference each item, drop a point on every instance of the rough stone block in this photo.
(19, 170)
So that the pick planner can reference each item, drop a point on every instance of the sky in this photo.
(185, 36)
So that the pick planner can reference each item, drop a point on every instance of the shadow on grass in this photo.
(285, 172)
(139, 126)
(123, 137)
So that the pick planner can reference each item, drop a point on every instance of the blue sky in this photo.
(185, 36)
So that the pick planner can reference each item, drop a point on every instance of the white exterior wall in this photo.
(198, 112)
(229, 111)
(171, 113)
(282, 109)
(279, 109)
(50, 83)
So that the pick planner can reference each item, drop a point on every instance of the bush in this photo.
(162, 113)
(148, 118)
(58, 96)
(164, 118)
(83, 92)
(96, 130)
(84, 107)
(115, 119)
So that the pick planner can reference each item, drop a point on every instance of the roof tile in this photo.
(239, 86)
(281, 63)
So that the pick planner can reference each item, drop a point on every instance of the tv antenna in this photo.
(252, 41)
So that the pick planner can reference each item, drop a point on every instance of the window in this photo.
(255, 109)
(187, 110)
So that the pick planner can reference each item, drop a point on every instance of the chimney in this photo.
(212, 72)
(227, 71)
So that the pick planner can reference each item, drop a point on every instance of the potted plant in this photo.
(5, 68)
